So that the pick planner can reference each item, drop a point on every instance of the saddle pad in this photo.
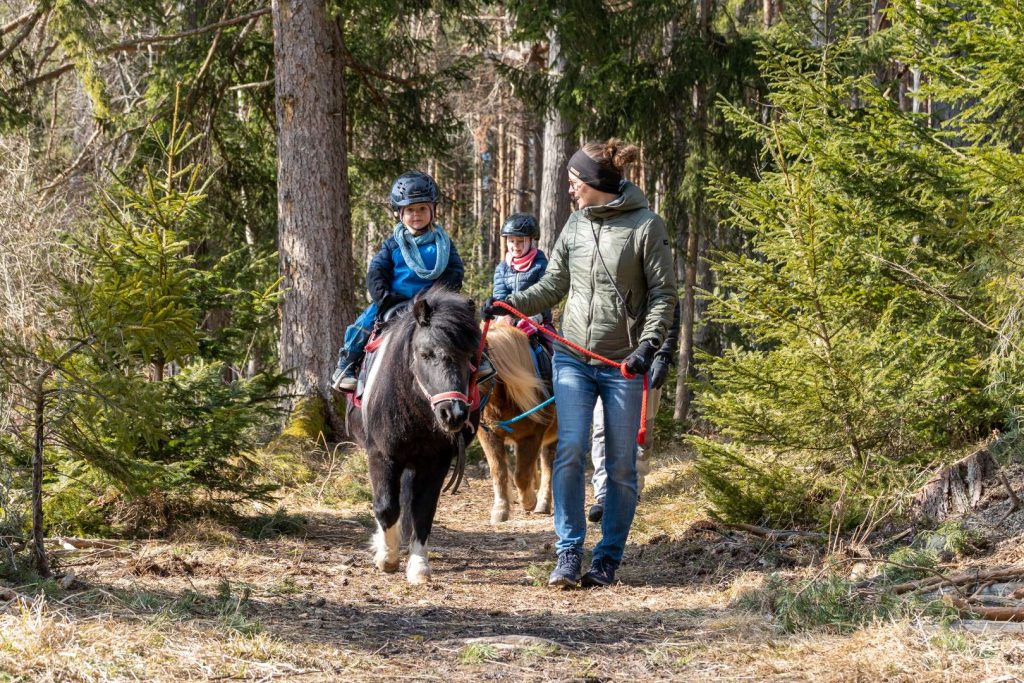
(368, 360)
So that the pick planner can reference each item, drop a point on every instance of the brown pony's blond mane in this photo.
(509, 351)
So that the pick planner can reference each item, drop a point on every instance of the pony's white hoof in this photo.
(499, 515)
(542, 508)
(385, 565)
(417, 573)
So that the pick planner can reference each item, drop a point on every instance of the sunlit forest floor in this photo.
(211, 604)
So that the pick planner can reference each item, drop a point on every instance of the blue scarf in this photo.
(411, 253)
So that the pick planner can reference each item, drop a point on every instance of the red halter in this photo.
(471, 399)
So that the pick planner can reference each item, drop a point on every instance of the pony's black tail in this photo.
(408, 528)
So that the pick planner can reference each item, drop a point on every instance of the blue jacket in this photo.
(389, 276)
(508, 281)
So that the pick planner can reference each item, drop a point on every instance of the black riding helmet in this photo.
(413, 187)
(521, 225)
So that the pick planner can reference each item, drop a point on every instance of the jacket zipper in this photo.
(593, 278)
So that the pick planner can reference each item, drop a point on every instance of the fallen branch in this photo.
(995, 601)
(958, 579)
(69, 543)
(776, 534)
(981, 626)
(989, 613)
(937, 576)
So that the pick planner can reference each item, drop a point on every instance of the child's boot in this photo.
(346, 377)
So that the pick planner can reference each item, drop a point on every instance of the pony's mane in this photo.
(452, 321)
(509, 351)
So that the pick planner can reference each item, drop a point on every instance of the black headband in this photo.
(599, 176)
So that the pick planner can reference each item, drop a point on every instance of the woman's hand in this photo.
(639, 362)
(659, 371)
(489, 311)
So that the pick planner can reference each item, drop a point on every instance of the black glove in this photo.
(639, 362)
(389, 301)
(489, 311)
(659, 370)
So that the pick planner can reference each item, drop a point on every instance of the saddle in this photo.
(541, 354)
(380, 326)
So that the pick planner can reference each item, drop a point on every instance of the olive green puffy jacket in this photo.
(634, 245)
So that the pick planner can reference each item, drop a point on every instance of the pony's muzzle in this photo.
(452, 414)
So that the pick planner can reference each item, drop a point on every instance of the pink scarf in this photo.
(521, 264)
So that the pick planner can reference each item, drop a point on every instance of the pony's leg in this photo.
(425, 492)
(526, 467)
(493, 443)
(547, 457)
(385, 480)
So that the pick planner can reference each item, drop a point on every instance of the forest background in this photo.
(191, 192)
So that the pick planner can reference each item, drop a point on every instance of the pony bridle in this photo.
(436, 399)
(443, 396)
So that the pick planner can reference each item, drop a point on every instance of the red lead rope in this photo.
(641, 436)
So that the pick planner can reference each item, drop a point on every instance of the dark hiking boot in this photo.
(601, 574)
(596, 512)
(567, 569)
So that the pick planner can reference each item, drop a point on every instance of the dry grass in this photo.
(211, 603)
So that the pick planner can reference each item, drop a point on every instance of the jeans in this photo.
(643, 453)
(358, 333)
(577, 388)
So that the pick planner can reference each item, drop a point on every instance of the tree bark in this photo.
(554, 192)
(314, 223)
(684, 396)
(38, 552)
(522, 203)
(956, 488)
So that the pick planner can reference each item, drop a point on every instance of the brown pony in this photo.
(516, 390)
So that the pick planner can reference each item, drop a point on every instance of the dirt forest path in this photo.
(211, 605)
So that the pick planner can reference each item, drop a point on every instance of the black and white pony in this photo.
(414, 412)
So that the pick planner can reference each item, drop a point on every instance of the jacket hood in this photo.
(631, 199)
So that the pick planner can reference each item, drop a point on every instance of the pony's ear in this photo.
(421, 309)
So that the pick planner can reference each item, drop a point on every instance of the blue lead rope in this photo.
(504, 424)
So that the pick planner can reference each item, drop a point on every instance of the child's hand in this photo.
(389, 301)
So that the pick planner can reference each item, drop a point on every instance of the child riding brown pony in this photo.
(516, 390)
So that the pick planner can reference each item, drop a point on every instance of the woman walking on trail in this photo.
(613, 261)
(663, 358)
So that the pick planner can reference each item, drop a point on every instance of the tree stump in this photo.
(956, 488)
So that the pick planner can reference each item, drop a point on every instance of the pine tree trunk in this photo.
(684, 396)
(38, 548)
(537, 166)
(558, 143)
(501, 187)
(314, 223)
(522, 203)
